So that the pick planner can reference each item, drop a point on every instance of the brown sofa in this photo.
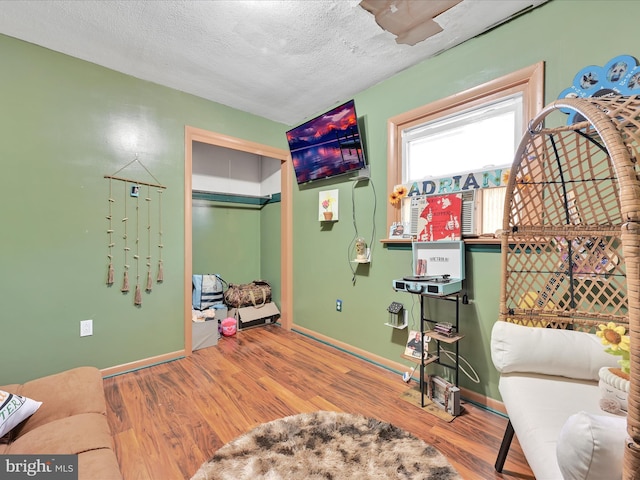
(71, 420)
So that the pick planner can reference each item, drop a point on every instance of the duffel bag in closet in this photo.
(254, 294)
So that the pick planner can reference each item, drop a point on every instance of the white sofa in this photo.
(549, 386)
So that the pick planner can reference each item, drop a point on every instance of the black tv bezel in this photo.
(362, 164)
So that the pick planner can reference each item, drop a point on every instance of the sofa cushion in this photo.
(79, 390)
(538, 407)
(98, 464)
(591, 447)
(70, 435)
(15, 409)
(567, 353)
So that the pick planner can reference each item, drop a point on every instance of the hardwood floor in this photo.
(168, 419)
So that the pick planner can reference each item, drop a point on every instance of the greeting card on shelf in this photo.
(399, 230)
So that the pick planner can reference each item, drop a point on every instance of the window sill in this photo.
(489, 240)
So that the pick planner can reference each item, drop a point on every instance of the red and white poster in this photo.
(440, 218)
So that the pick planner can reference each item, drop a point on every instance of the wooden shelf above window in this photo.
(396, 240)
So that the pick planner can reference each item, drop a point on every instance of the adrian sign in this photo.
(459, 183)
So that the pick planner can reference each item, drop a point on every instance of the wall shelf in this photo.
(489, 240)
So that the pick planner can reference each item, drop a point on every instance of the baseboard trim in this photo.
(143, 363)
(483, 401)
(347, 348)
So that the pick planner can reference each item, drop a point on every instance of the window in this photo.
(474, 131)
(469, 141)
(478, 139)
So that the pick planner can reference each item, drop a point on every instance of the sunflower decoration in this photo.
(614, 336)
(399, 192)
(505, 176)
(523, 181)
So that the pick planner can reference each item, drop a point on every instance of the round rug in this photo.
(327, 445)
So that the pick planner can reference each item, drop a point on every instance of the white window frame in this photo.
(527, 82)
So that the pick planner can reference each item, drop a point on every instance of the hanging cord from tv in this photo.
(350, 250)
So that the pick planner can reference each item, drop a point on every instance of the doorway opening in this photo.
(192, 135)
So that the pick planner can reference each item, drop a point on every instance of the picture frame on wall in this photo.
(328, 210)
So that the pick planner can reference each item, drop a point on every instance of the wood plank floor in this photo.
(170, 418)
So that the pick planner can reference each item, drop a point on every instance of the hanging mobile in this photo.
(132, 189)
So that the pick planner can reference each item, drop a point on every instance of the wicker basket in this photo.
(570, 233)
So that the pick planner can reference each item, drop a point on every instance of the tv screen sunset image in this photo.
(327, 145)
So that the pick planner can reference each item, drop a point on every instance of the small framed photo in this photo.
(399, 230)
(135, 190)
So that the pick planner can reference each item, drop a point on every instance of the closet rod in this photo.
(261, 197)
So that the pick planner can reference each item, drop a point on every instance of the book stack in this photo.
(445, 329)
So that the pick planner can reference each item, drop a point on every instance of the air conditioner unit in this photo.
(416, 223)
(467, 223)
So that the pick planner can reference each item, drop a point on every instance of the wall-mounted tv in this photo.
(327, 145)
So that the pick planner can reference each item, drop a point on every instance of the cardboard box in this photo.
(221, 311)
(253, 317)
(204, 334)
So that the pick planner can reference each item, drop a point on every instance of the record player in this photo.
(438, 269)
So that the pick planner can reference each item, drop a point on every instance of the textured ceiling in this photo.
(286, 60)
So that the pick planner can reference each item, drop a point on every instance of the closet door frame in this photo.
(193, 134)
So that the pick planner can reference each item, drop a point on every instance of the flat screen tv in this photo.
(327, 145)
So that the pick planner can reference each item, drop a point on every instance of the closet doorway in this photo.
(193, 134)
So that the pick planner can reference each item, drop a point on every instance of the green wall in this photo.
(567, 36)
(58, 137)
(64, 124)
(238, 241)
(226, 240)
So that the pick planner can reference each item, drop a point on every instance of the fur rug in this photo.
(329, 446)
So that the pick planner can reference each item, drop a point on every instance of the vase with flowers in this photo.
(614, 382)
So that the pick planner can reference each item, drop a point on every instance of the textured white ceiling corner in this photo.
(285, 60)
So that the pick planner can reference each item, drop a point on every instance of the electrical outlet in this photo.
(339, 305)
(86, 328)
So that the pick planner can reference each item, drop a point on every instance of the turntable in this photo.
(446, 278)
(428, 285)
(438, 269)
